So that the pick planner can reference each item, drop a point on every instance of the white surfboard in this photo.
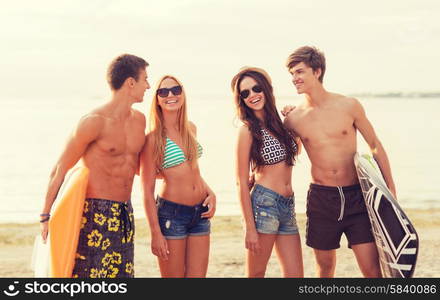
(396, 238)
(40, 262)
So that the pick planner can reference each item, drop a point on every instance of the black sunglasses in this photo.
(164, 92)
(245, 93)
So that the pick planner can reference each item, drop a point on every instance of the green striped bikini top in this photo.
(174, 155)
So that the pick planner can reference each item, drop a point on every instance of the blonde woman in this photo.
(179, 217)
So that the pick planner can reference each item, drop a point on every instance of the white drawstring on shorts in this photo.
(341, 193)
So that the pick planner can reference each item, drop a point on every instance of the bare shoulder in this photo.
(290, 117)
(149, 136)
(354, 105)
(89, 128)
(92, 120)
(101, 111)
(294, 115)
(244, 132)
(138, 115)
(345, 100)
(347, 103)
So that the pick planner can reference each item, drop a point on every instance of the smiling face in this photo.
(170, 101)
(251, 93)
(304, 78)
(138, 87)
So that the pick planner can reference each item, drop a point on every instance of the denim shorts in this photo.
(273, 213)
(177, 221)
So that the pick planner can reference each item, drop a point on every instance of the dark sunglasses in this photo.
(164, 92)
(245, 93)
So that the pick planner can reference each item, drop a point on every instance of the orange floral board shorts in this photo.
(105, 246)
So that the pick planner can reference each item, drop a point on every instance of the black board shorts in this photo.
(333, 210)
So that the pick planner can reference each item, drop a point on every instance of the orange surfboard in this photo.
(65, 223)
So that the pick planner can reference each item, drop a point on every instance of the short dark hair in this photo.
(310, 56)
(123, 67)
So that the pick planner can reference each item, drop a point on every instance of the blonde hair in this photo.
(158, 132)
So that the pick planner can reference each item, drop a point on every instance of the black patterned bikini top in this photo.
(272, 150)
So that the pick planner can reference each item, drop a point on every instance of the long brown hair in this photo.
(272, 120)
(157, 128)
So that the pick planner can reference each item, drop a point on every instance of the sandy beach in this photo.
(227, 257)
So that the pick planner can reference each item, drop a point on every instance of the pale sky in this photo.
(62, 48)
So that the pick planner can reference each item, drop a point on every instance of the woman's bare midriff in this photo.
(277, 177)
(183, 185)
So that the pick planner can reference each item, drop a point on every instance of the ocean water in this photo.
(34, 133)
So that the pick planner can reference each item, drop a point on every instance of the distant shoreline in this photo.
(398, 95)
(8, 223)
(391, 95)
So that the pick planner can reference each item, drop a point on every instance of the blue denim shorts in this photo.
(177, 221)
(273, 213)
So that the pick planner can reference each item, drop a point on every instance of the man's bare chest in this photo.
(317, 127)
(117, 139)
